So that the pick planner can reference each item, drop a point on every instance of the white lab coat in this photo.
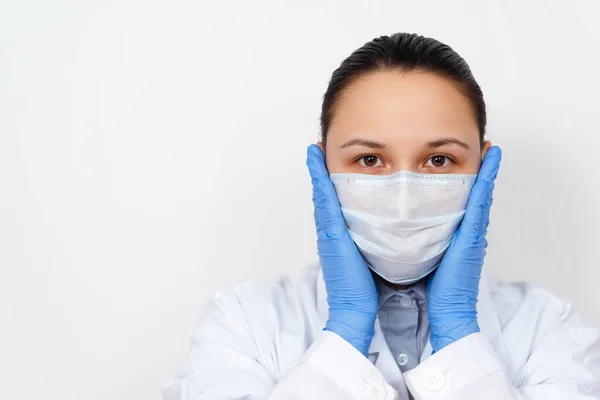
(265, 341)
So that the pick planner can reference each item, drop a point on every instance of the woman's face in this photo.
(391, 121)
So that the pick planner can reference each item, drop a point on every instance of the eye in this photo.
(370, 161)
(438, 161)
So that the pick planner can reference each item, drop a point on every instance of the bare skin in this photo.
(390, 121)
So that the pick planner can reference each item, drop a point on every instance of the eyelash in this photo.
(447, 158)
(361, 158)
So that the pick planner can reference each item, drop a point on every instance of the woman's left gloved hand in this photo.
(454, 288)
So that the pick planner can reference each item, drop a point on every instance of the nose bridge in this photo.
(408, 167)
(404, 158)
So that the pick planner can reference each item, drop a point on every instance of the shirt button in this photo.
(402, 359)
(434, 382)
(405, 301)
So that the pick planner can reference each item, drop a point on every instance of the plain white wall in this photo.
(152, 152)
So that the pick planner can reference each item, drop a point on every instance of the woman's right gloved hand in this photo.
(351, 291)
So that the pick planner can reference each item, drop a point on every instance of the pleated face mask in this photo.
(403, 223)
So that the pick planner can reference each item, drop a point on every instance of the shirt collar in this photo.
(417, 290)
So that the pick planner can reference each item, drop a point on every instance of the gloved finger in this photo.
(477, 213)
(328, 214)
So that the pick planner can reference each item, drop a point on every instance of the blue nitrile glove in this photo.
(453, 289)
(351, 291)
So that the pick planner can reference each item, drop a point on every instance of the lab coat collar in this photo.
(380, 354)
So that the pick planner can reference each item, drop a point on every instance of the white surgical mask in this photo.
(403, 223)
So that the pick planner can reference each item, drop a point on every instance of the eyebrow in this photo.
(445, 141)
(363, 142)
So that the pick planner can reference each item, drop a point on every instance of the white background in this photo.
(152, 152)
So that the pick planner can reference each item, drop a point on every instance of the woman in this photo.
(397, 307)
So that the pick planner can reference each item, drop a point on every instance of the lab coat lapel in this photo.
(322, 306)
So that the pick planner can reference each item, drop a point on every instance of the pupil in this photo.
(438, 161)
(370, 160)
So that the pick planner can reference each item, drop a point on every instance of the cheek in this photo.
(335, 166)
(468, 163)
(333, 162)
(472, 166)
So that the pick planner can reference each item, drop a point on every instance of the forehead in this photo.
(393, 105)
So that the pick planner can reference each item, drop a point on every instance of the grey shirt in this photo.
(403, 318)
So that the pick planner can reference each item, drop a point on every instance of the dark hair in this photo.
(404, 52)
